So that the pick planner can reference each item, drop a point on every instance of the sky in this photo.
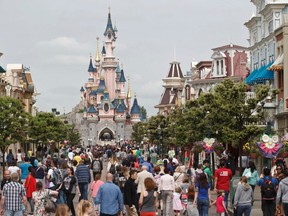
(55, 39)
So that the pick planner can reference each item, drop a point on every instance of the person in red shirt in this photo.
(30, 186)
(223, 176)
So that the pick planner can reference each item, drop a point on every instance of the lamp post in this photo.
(160, 150)
(269, 109)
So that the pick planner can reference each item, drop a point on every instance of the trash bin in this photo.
(233, 186)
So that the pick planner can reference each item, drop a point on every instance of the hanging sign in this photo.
(269, 146)
(207, 145)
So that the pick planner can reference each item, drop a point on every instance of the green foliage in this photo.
(13, 122)
(46, 126)
(73, 135)
(139, 131)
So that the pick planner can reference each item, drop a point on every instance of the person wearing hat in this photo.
(282, 193)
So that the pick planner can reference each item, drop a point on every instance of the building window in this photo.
(217, 69)
(106, 107)
(222, 66)
(270, 27)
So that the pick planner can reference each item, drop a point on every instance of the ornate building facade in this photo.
(104, 114)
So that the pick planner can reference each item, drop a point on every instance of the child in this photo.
(177, 205)
(84, 208)
(220, 204)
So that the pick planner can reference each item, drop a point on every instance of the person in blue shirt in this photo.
(109, 197)
(148, 164)
(268, 205)
(24, 169)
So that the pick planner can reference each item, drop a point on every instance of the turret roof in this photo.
(122, 76)
(109, 27)
(82, 89)
(91, 68)
(101, 86)
(175, 70)
(135, 108)
(118, 69)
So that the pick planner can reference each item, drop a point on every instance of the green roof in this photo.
(2, 70)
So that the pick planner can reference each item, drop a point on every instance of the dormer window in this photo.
(106, 107)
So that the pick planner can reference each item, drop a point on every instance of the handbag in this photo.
(49, 205)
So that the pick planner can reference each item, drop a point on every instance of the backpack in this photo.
(96, 166)
(57, 177)
(268, 190)
(112, 169)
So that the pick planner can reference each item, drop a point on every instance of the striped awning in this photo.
(278, 64)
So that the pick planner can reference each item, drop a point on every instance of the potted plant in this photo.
(197, 147)
(251, 150)
(284, 151)
(218, 148)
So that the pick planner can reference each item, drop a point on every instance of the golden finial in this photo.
(97, 58)
(129, 90)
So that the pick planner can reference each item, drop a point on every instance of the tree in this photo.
(73, 135)
(45, 127)
(13, 123)
(139, 131)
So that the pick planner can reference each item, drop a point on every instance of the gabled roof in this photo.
(135, 108)
(92, 109)
(2, 70)
(175, 70)
(229, 46)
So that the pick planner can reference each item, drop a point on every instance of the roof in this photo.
(118, 69)
(229, 46)
(94, 92)
(121, 108)
(109, 28)
(101, 86)
(92, 109)
(82, 89)
(122, 76)
(2, 70)
(135, 108)
(175, 70)
(168, 97)
(91, 68)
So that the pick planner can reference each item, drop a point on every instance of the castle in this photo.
(104, 114)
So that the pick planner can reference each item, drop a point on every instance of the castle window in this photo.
(106, 107)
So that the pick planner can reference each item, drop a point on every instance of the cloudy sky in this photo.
(56, 38)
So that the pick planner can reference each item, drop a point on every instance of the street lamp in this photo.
(269, 109)
(159, 131)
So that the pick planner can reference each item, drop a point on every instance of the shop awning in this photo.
(260, 75)
(278, 64)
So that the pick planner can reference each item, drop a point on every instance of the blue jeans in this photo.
(83, 187)
(226, 198)
(203, 206)
(13, 213)
(62, 197)
(246, 209)
(285, 207)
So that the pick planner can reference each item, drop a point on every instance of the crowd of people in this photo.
(137, 182)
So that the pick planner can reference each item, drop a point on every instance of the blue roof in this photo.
(92, 109)
(94, 92)
(135, 108)
(2, 70)
(118, 69)
(121, 108)
(82, 89)
(109, 27)
(260, 75)
(103, 50)
(122, 77)
(91, 68)
(101, 86)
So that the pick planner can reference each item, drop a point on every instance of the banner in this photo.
(269, 146)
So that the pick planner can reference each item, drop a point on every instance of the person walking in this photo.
(141, 177)
(252, 174)
(95, 187)
(243, 198)
(84, 178)
(148, 198)
(220, 204)
(268, 186)
(130, 194)
(69, 188)
(202, 195)
(207, 170)
(30, 186)
(282, 193)
(110, 198)
(177, 204)
(166, 188)
(13, 196)
(39, 197)
(223, 176)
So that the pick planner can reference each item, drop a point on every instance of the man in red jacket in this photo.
(223, 176)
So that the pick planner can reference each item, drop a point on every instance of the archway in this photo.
(106, 135)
